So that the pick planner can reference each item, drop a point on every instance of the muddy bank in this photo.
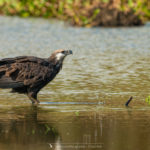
(111, 17)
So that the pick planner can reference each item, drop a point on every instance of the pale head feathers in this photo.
(60, 54)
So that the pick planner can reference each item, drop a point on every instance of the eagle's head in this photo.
(59, 55)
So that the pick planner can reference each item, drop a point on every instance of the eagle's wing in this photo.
(19, 71)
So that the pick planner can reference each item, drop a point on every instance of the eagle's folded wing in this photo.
(22, 71)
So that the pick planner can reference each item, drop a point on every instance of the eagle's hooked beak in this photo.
(69, 52)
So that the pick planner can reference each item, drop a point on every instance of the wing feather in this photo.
(6, 82)
(23, 71)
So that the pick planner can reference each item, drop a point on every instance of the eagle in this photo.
(29, 74)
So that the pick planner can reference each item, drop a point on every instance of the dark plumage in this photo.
(28, 74)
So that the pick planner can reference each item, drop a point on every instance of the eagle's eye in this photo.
(63, 52)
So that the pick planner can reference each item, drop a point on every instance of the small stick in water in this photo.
(128, 101)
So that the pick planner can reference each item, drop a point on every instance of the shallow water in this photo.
(83, 108)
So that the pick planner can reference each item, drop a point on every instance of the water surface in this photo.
(83, 108)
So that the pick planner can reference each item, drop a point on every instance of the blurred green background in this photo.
(82, 12)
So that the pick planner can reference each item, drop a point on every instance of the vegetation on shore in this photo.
(82, 12)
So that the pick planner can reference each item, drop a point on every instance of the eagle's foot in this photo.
(33, 98)
(35, 102)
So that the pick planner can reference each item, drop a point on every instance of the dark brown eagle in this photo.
(28, 74)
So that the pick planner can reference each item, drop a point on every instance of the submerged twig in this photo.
(128, 101)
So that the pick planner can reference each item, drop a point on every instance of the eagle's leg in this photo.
(33, 97)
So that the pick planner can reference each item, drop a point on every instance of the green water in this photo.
(83, 108)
